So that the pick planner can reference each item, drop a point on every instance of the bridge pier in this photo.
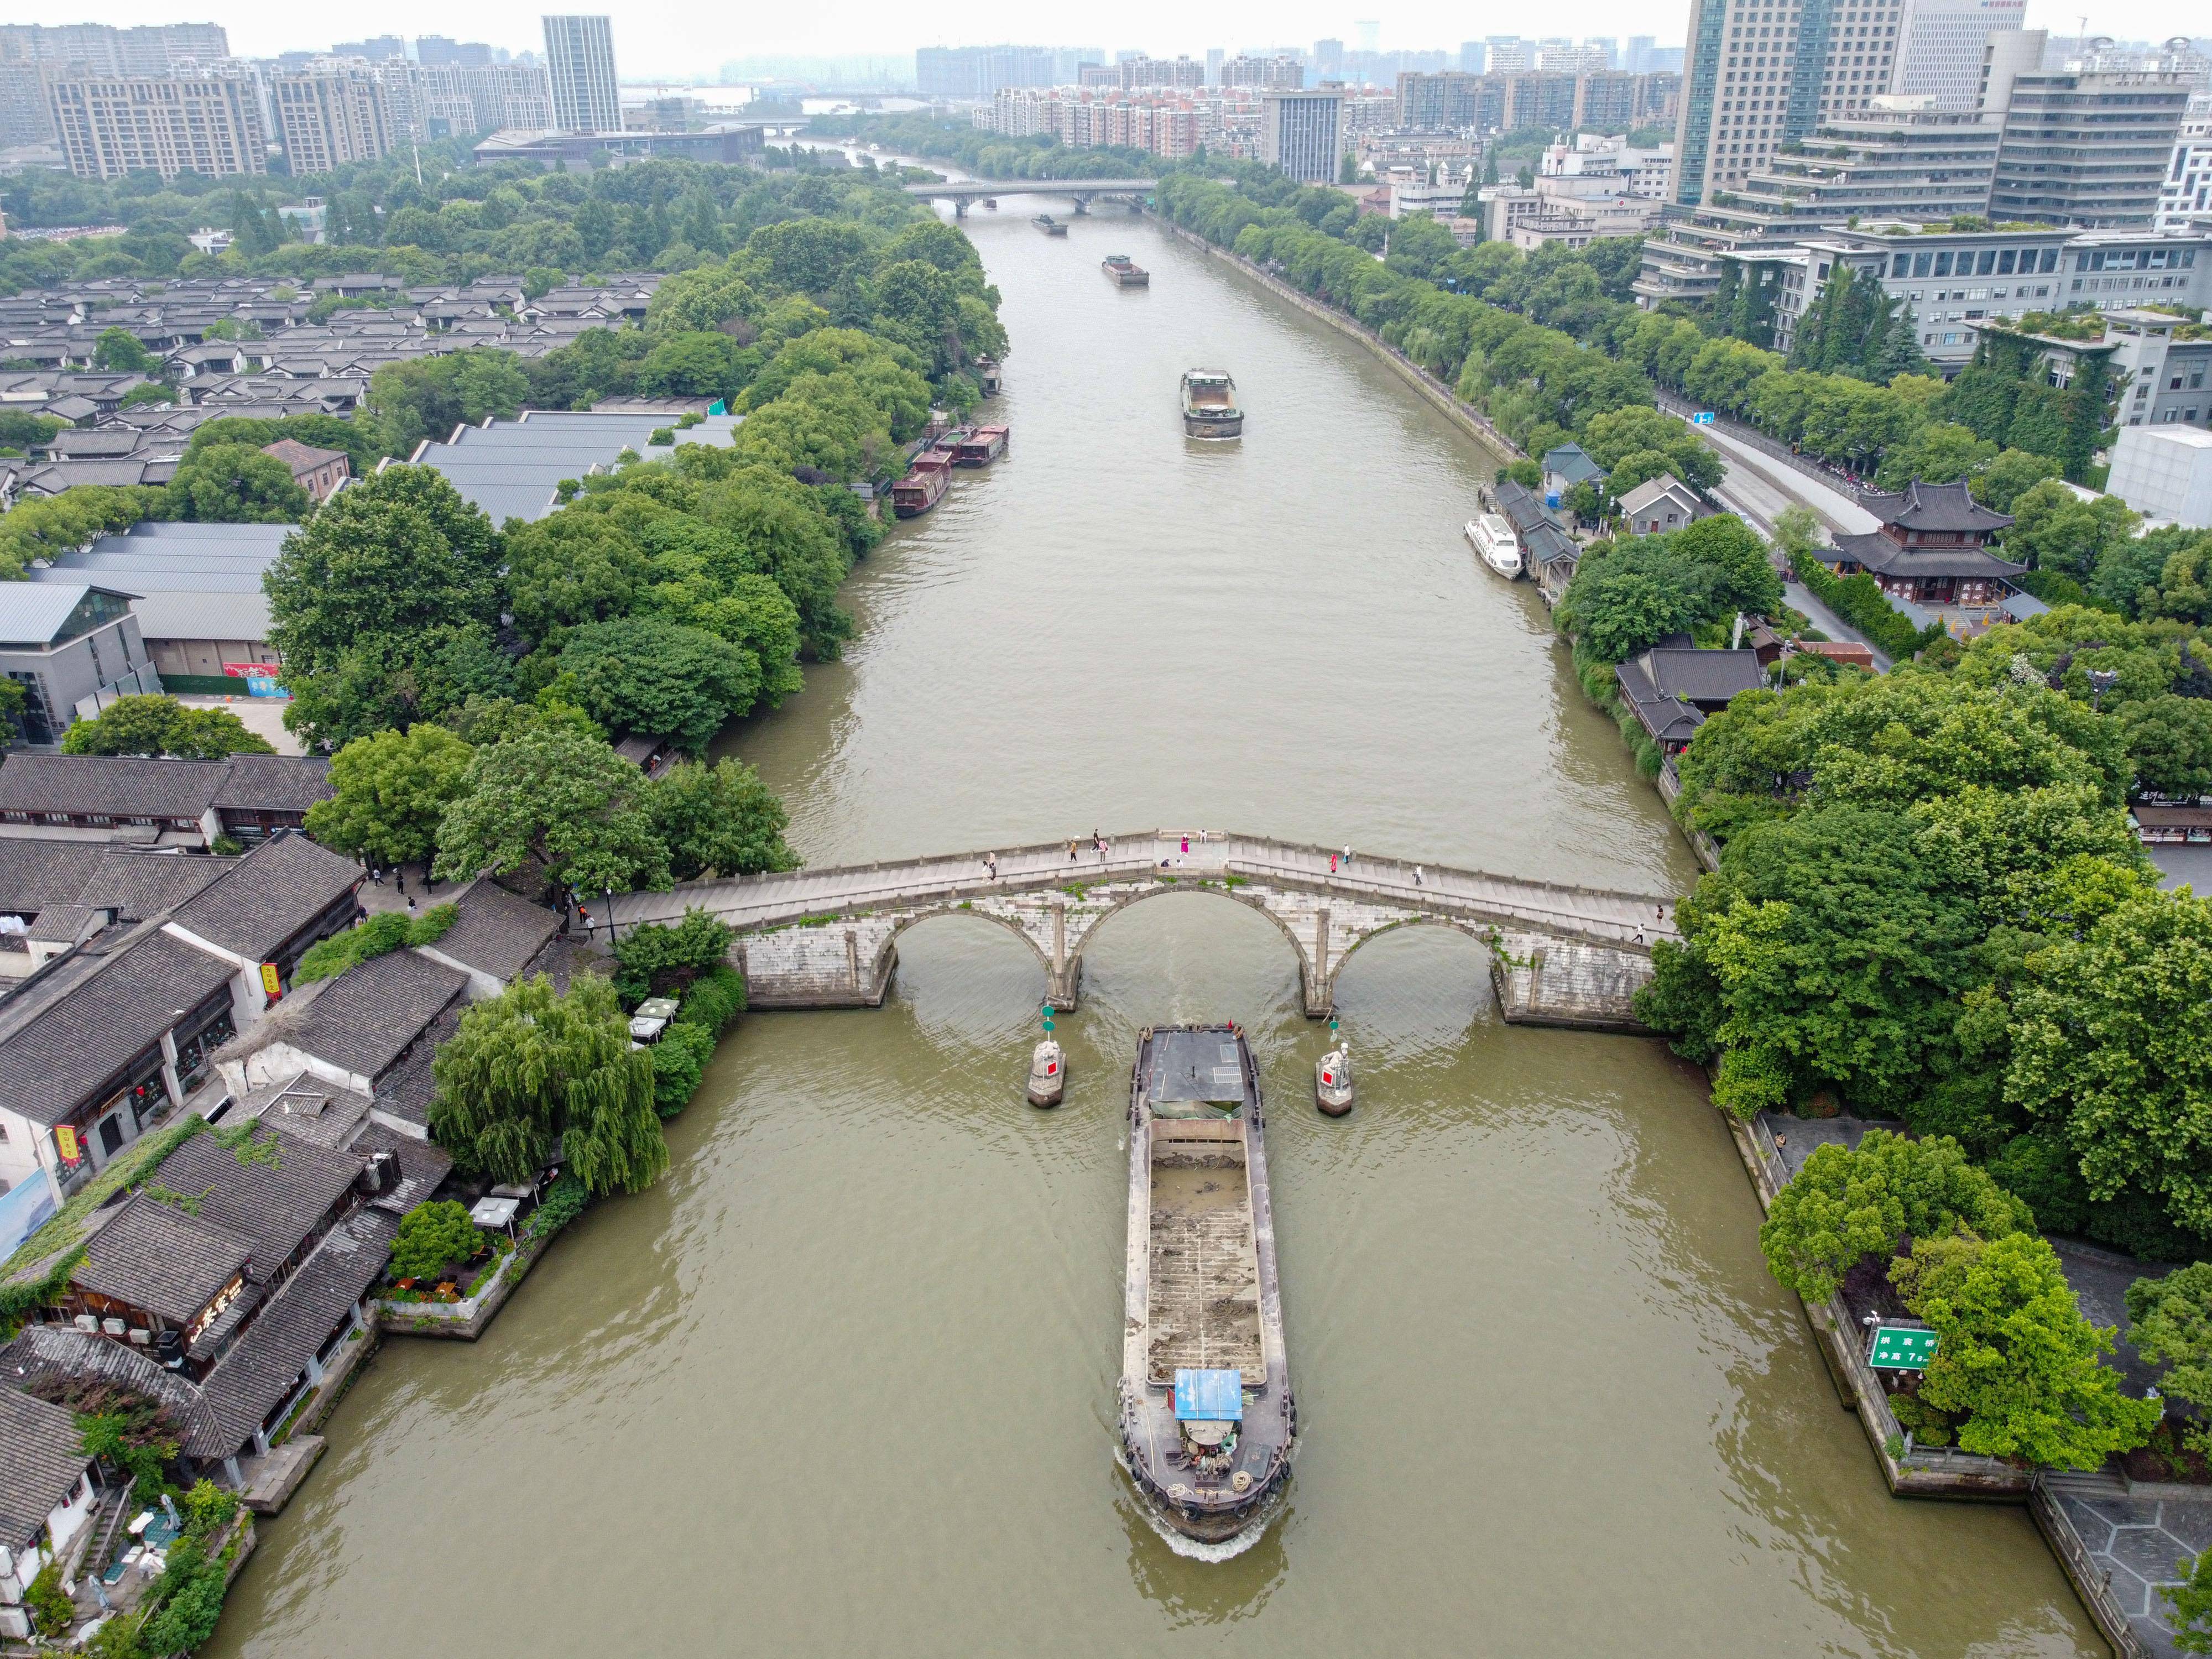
(1063, 977)
(960, 207)
(1082, 205)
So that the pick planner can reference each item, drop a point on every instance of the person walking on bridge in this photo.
(991, 864)
(1416, 876)
(1332, 864)
(1347, 855)
(1071, 850)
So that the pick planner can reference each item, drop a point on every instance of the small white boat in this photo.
(1493, 538)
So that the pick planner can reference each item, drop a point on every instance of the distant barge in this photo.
(1125, 271)
(1207, 1419)
(1049, 225)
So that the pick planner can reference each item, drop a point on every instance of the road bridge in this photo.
(828, 938)
(1082, 191)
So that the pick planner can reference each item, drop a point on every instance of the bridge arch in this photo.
(1481, 932)
(1074, 969)
(902, 920)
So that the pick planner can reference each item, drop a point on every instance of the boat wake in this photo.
(1229, 1548)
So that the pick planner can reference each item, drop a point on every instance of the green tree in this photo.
(235, 484)
(431, 1237)
(2192, 1604)
(118, 352)
(571, 568)
(2170, 1325)
(530, 1065)
(2014, 1352)
(649, 675)
(162, 726)
(658, 961)
(718, 819)
(389, 792)
(2111, 1049)
(1865, 1203)
(555, 799)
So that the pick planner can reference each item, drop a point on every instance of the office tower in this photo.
(330, 117)
(580, 56)
(1640, 54)
(2087, 150)
(1302, 133)
(1474, 57)
(376, 51)
(1763, 73)
(112, 125)
(1213, 57)
(1602, 52)
(978, 72)
(1328, 59)
(1939, 47)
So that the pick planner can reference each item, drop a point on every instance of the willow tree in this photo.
(533, 1064)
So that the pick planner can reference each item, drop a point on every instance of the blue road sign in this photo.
(1702, 417)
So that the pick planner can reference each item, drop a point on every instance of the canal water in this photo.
(843, 1383)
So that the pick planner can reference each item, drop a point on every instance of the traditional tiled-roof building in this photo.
(1931, 549)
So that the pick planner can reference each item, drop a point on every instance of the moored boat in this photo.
(1049, 225)
(980, 445)
(924, 485)
(1208, 1419)
(1209, 405)
(1125, 271)
(1492, 536)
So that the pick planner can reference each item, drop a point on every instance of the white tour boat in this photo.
(1493, 538)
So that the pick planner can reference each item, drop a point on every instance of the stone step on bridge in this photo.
(827, 937)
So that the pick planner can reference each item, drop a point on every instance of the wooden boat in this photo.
(1049, 225)
(1492, 536)
(979, 446)
(1125, 271)
(924, 485)
(1207, 1419)
(1209, 405)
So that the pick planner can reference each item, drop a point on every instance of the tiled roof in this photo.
(252, 1379)
(276, 783)
(405, 1090)
(273, 1203)
(120, 786)
(495, 932)
(1702, 675)
(37, 875)
(365, 1018)
(1667, 718)
(63, 1350)
(1946, 507)
(1878, 553)
(422, 1166)
(41, 1460)
(1666, 486)
(266, 898)
(302, 457)
(72, 1027)
(305, 1106)
(155, 1255)
(562, 959)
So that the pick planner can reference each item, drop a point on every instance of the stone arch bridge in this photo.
(828, 938)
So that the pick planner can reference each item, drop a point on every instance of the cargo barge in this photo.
(1207, 1419)
(924, 485)
(1049, 225)
(1125, 271)
(980, 445)
(1209, 405)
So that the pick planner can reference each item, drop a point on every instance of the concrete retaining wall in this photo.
(464, 1321)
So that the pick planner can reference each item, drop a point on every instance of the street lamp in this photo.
(2101, 680)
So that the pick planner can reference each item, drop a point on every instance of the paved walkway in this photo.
(773, 900)
(2138, 1541)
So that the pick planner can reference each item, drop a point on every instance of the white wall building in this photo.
(2165, 472)
(1303, 133)
(1939, 47)
(2188, 187)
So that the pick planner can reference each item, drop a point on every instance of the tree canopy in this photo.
(162, 726)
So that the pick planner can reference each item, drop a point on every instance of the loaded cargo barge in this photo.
(1207, 1419)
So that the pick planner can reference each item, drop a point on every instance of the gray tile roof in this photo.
(63, 1350)
(1703, 675)
(276, 783)
(305, 1106)
(496, 931)
(37, 875)
(422, 1166)
(120, 786)
(264, 899)
(253, 1378)
(1933, 507)
(154, 1256)
(72, 1028)
(405, 1090)
(41, 1460)
(1878, 553)
(1666, 717)
(273, 1205)
(365, 1018)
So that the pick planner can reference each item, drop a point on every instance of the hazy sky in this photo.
(683, 37)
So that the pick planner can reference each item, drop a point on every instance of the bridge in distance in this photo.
(966, 191)
(827, 937)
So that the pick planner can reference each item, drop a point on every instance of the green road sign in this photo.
(1902, 1348)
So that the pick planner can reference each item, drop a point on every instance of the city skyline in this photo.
(661, 40)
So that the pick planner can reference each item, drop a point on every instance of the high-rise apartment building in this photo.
(1763, 73)
(580, 56)
(104, 49)
(1303, 133)
(380, 49)
(1329, 59)
(109, 126)
(1278, 74)
(978, 72)
(1214, 55)
(439, 51)
(330, 117)
(1146, 72)
(2187, 191)
(1637, 59)
(1474, 57)
(1940, 44)
(2088, 150)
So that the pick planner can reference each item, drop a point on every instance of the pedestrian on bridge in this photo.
(1071, 850)
(1347, 855)
(1185, 843)
(991, 864)
(1416, 876)
(1332, 864)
